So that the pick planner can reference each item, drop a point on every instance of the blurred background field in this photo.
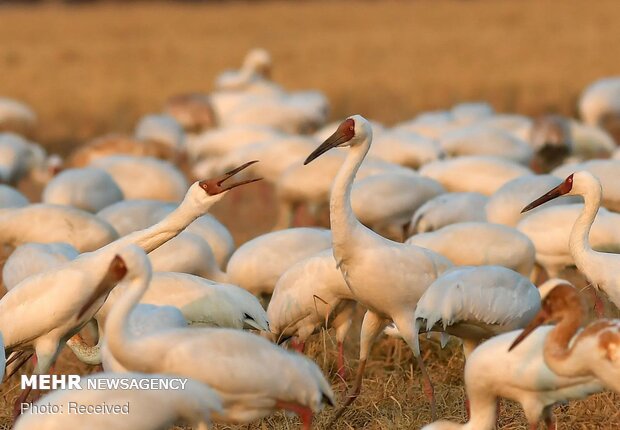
(93, 68)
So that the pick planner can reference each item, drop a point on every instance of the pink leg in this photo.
(467, 408)
(341, 368)
(304, 412)
(549, 418)
(599, 306)
(298, 346)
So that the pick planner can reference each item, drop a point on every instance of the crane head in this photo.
(215, 186)
(352, 131)
(116, 271)
(564, 188)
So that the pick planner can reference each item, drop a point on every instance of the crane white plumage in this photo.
(44, 223)
(162, 130)
(600, 268)
(474, 173)
(599, 104)
(136, 176)
(242, 368)
(505, 204)
(520, 375)
(446, 209)
(256, 67)
(88, 188)
(373, 267)
(480, 244)
(32, 258)
(16, 116)
(148, 409)
(594, 351)
(193, 111)
(258, 264)
(404, 148)
(312, 294)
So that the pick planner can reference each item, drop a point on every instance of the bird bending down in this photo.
(148, 409)
(602, 269)
(244, 369)
(386, 277)
(594, 352)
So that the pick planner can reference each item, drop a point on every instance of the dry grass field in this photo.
(94, 68)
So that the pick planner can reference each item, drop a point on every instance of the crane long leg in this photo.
(305, 414)
(549, 418)
(405, 324)
(372, 325)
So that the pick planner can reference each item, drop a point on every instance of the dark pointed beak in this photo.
(553, 194)
(116, 271)
(333, 141)
(539, 319)
(215, 186)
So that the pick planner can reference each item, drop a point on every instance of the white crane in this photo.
(446, 209)
(161, 129)
(480, 244)
(310, 295)
(244, 369)
(136, 177)
(505, 204)
(386, 277)
(551, 138)
(599, 104)
(45, 223)
(592, 352)
(600, 268)
(256, 66)
(88, 188)
(193, 111)
(492, 371)
(142, 409)
(16, 116)
(482, 174)
(258, 264)
(20, 158)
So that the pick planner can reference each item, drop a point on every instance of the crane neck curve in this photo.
(343, 221)
(579, 241)
(557, 350)
(117, 331)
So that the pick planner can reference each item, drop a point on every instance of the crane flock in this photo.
(435, 224)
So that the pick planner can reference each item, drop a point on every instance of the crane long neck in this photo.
(343, 221)
(117, 331)
(153, 237)
(557, 352)
(579, 242)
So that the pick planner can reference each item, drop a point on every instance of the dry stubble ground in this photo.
(92, 69)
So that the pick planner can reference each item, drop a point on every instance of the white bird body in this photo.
(386, 277)
(244, 369)
(386, 202)
(606, 171)
(504, 205)
(520, 375)
(477, 303)
(89, 189)
(471, 112)
(446, 209)
(19, 158)
(549, 229)
(144, 320)
(309, 295)
(129, 216)
(256, 66)
(515, 124)
(16, 116)
(163, 130)
(137, 177)
(187, 253)
(147, 409)
(11, 198)
(258, 264)
(480, 244)
(404, 148)
(44, 223)
(591, 141)
(221, 141)
(31, 258)
(482, 174)
(476, 140)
